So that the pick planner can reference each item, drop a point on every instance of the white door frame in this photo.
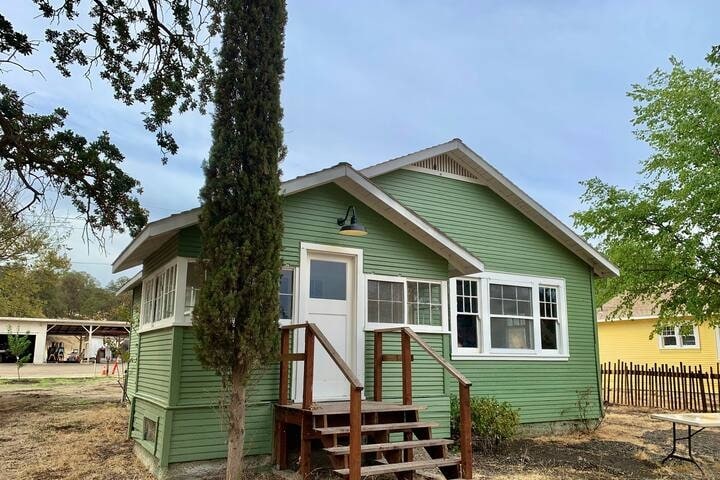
(358, 309)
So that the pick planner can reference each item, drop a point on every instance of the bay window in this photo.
(393, 301)
(508, 316)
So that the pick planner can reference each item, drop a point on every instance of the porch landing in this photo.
(367, 406)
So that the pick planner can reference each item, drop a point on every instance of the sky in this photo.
(538, 89)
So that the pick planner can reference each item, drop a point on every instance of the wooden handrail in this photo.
(407, 334)
(344, 368)
(312, 333)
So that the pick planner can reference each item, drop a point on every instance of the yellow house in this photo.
(628, 339)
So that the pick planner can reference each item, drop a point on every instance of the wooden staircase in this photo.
(366, 437)
(379, 454)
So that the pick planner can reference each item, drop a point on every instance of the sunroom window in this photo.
(193, 282)
(506, 315)
(159, 295)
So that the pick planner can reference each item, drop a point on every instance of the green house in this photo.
(489, 279)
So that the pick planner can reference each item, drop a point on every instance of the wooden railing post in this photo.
(284, 397)
(355, 457)
(466, 459)
(406, 367)
(377, 377)
(308, 371)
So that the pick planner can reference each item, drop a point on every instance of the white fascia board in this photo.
(608, 268)
(405, 160)
(154, 229)
(130, 284)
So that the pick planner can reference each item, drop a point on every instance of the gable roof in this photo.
(345, 176)
(490, 176)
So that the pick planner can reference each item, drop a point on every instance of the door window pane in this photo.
(515, 333)
(328, 280)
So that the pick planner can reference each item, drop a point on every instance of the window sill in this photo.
(371, 327)
(168, 322)
(498, 356)
(692, 347)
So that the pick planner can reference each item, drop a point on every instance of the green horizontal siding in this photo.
(507, 241)
(145, 409)
(161, 256)
(310, 216)
(427, 375)
(154, 362)
(201, 433)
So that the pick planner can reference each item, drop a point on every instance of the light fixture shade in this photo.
(353, 230)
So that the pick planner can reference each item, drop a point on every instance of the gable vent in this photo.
(445, 164)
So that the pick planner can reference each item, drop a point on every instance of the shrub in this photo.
(493, 422)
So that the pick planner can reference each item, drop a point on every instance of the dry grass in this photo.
(627, 445)
(75, 429)
(56, 429)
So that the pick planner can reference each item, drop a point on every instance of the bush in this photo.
(493, 422)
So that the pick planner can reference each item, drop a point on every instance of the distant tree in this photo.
(664, 234)
(18, 346)
(235, 319)
(23, 284)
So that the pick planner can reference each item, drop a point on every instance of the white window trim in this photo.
(442, 328)
(180, 281)
(484, 351)
(678, 338)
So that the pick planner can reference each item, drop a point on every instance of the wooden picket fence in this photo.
(667, 387)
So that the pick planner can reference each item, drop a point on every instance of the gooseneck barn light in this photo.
(355, 228)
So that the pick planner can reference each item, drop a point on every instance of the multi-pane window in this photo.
(504, 314)
(159, 296)
(399, 301)
(424, 303)
(468, 311)
(386, 302)
(287, 281)
(678, 337)
(511, 317)
(549, 318)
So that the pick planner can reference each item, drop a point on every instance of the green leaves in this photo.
(664, 233)
(42, 156)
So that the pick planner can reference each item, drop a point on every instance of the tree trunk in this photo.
(236, 428)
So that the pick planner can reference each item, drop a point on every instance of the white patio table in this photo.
(701, 421)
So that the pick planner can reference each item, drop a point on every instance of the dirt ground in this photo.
(65, 429)
(74, 428)
(627, 445)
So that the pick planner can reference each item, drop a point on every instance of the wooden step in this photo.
(377, 427)
(401, 467)
(384, 447)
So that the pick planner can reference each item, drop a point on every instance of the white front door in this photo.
(328, 296)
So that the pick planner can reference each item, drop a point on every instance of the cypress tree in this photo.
(236, 315)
